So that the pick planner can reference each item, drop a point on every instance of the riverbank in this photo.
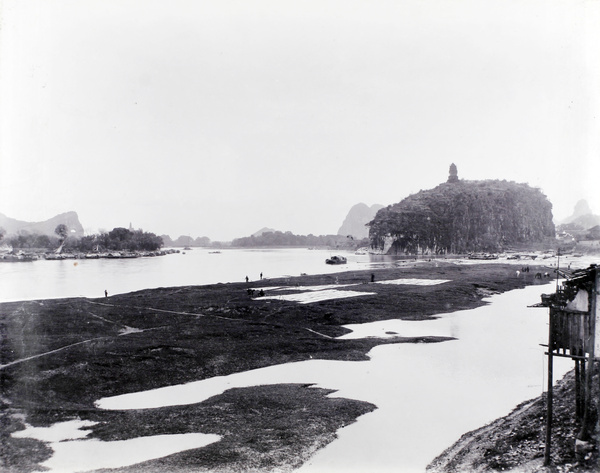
(63, 355)
(516, 442)
(20, 256)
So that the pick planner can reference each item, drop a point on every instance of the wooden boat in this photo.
(482, 256)
(336, 260)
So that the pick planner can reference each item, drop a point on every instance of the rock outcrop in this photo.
(464, 216)
(12, 226)
(583, 217)
(357, 219)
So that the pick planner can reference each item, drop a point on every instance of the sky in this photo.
(218, 118)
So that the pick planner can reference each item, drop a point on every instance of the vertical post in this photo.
(586, 427)
(594, 313)
(549, 394)
(578, 410)
(557, 267)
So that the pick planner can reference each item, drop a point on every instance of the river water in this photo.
(427, 395)
(90, 277)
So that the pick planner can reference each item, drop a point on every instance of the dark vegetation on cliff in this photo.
(465, 216)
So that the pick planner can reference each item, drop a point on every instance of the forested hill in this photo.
(288, 239)
(464, 216)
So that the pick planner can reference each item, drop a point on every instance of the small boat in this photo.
(482, 256)
(336, 260)
(18, 258)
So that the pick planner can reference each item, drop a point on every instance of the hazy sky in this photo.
(217, 118)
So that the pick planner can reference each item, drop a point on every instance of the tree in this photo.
(42, 241)
(62, 231)
(120, 234)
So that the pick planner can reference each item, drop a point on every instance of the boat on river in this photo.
(19, 257)
(336, 260)
(482, 256)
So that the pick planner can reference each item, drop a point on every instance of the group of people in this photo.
(251, 291)
(248, 279)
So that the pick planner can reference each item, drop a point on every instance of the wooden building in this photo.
(574, 333)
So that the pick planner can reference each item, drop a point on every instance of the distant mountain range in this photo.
(582, 216)
(12, 226)
(263, 230)
(355, 222)
(185, 240)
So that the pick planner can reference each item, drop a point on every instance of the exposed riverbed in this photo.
(427, 394)
(206, 341)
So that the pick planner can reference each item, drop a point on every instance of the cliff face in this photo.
(70, 219)
(357, 219)
(464, 216)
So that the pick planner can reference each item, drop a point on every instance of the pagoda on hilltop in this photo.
(453, 177)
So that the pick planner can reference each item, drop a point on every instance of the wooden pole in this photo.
(578, 407)
(549, 395)
(586, 428)
(594, 311)
(557, 267)
(577, 391)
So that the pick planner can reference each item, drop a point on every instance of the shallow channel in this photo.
(427, 395)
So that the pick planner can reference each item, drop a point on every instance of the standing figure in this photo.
(105, 293)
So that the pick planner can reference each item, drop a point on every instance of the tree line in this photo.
(283, 239)
(118, 239)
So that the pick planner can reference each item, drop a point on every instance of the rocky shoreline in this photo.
(516, 442)
(23, 256)
(62, 355)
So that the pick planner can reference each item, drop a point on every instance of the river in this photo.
(44, 279)
(427, 395)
